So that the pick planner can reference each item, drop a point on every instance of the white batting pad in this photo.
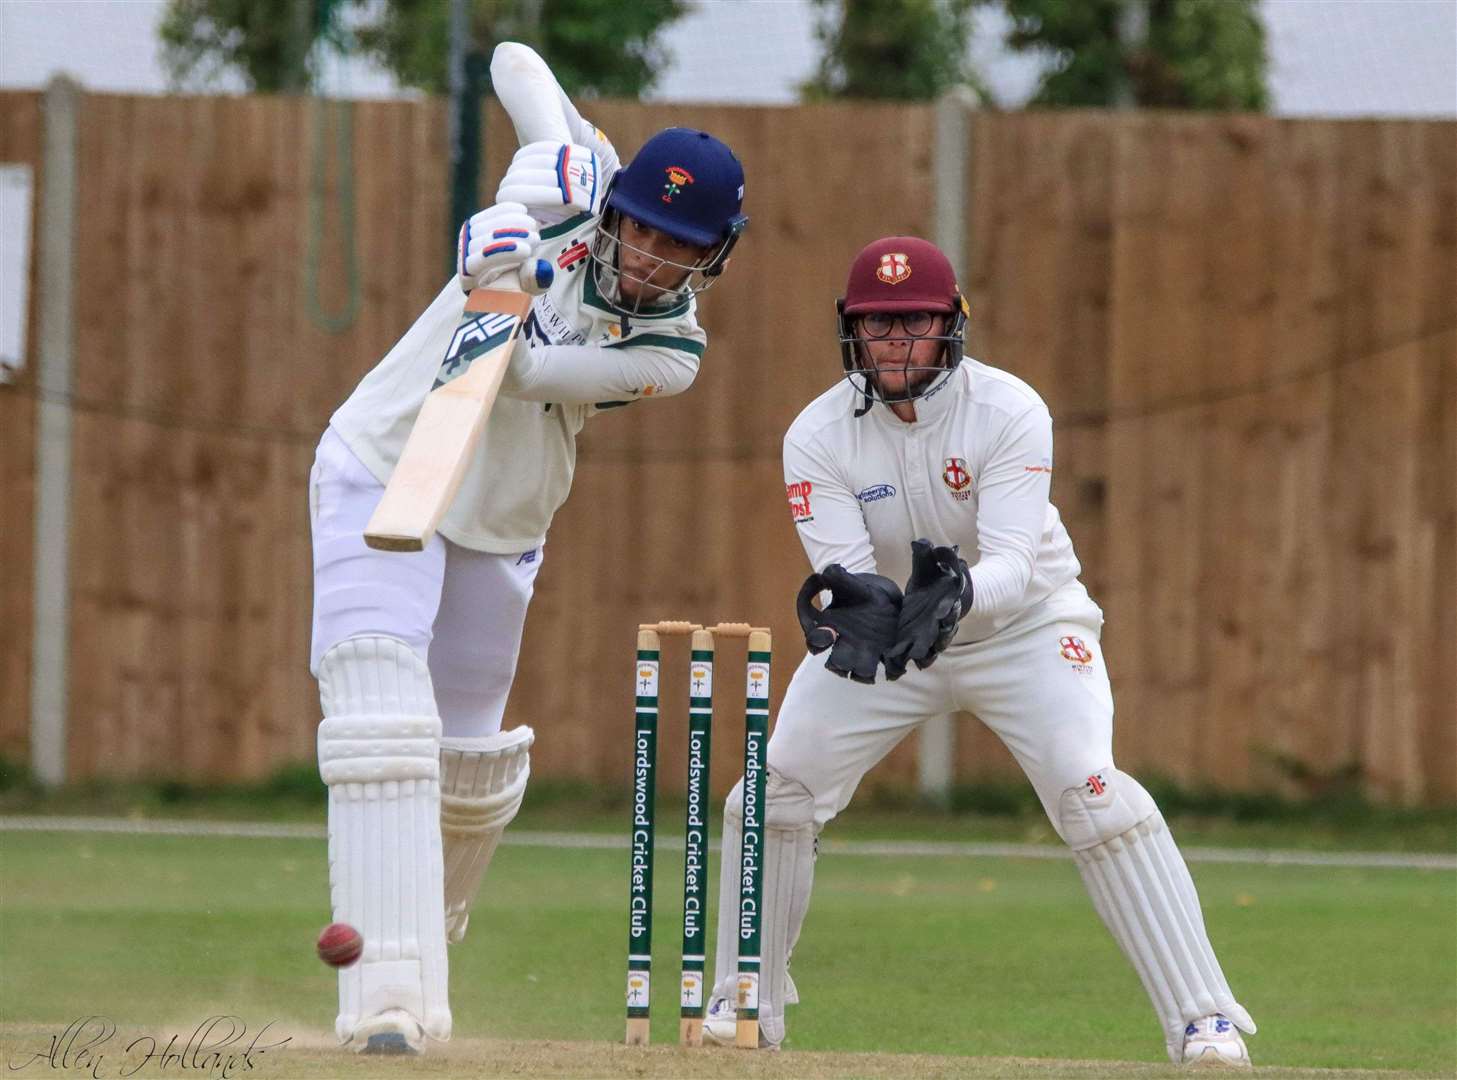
(379, 755)
(789, 858)
(482, 781)
(1142, 890)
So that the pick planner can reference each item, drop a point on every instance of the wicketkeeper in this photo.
(415, 653)
(919, 486)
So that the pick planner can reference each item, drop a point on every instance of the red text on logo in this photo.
(798, 494)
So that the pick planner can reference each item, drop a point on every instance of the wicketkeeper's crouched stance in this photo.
(917, 441)
(415, 653)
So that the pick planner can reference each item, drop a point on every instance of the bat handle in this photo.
(536, 276)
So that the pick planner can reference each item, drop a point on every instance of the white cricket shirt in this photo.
(974, 469)
(583, 357)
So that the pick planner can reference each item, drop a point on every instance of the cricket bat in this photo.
(454, 414)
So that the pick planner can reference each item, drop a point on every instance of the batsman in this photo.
(415, 652)
(920, 488)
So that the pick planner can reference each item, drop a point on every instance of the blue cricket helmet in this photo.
(685, 183)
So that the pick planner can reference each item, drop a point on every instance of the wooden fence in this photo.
(1246, 329)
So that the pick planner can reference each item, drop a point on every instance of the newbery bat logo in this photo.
(472, 339)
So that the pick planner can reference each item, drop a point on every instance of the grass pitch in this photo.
(908, 966)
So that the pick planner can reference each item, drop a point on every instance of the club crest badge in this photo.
(678, 179)
(894, 268)
(1073, 649)
(956, 478)
(1076, 651)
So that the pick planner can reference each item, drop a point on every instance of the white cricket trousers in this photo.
(1042, 689)
(462, 610)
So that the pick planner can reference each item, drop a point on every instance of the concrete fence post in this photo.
(55, 353)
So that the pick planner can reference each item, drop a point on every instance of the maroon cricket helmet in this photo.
(901, 273)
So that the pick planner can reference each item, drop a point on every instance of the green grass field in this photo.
(983, 963)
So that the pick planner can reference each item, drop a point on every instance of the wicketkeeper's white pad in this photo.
(379, 753)
(1144, 894)
(482, 781)
(789, 860)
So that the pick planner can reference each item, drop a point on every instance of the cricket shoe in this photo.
(721, 1026)
(391, 1032)
(1214, 1040)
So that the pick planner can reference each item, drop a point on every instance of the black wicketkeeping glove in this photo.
(859, 624)
(937, 595)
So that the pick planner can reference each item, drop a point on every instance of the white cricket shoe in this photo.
(721, 1026)
(393, 1031)
(1214, 1040)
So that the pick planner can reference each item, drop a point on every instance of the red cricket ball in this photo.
(340, 944)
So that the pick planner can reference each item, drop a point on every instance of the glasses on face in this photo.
(879, 324)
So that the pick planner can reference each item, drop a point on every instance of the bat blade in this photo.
(452, 417)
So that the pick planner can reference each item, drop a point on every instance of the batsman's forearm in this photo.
(588, 374)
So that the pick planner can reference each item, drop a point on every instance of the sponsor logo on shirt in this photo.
(546, 325)
(573, 256)
(1075, 650)
(876, 492)
(798, 494)
(956, 477)
(527, 558)
(1045, 465)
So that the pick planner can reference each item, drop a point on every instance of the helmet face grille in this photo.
(921, 381)
(653, 294)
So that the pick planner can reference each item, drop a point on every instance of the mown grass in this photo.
(971, 960)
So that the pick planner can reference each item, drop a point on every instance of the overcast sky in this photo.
(1328, 57)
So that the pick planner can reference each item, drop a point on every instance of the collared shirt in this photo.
(974, 470)
(584, 356)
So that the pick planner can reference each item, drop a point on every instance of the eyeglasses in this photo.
(879, 324)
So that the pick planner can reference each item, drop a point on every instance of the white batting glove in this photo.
(553, 175)
(496, 240)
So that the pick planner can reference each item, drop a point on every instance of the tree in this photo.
(1182, 54)
(595, 47)
(268, 41)
(905, 50)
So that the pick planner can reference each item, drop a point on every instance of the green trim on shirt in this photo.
(661, 341)
(561, 228)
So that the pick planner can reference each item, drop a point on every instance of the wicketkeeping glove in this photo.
(496, 240)
(554, 175)
(937, 595)
(859, 624)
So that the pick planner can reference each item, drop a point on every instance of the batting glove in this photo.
(497, 240)
(555, 175)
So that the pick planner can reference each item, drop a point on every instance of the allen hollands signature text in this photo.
(221, 1047)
